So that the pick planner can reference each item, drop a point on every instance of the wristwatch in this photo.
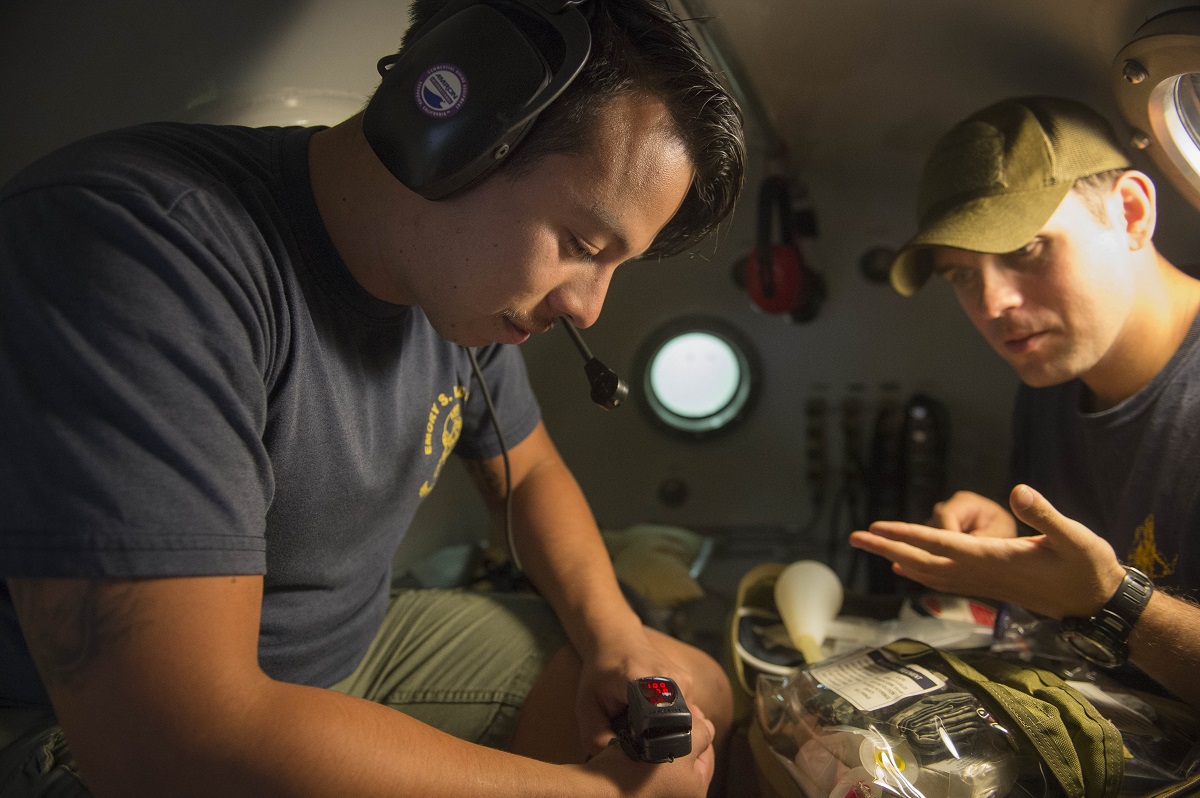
(1104, 638)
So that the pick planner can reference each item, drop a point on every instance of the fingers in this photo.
(961, 512)
(706, 758)
(690, 775)
(595, 730)
(1035, 510)
(949, 562)
(974, 514)
(908, 560)
(944, 517)
(595, 708)
(911, 540)
(1088, 556)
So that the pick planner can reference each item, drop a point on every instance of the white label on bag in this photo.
(871, 681)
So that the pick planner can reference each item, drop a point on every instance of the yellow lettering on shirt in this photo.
(447, 436)
(1145, 555)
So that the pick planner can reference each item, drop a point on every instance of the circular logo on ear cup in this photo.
(441, 90)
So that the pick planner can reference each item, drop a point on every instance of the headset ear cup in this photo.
(461, 95)
(775, 287)
(442, 107)
(812, 296)
(775, 274)
(798, 290)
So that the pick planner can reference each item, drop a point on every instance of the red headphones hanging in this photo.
(775, 274)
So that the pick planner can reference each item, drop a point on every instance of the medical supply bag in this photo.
(909, 719)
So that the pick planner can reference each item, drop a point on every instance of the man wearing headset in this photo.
(1031, 211)
(233, 361)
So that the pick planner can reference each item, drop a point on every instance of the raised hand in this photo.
(977, 515)
(1065, 570)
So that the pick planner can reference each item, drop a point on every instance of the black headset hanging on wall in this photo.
(467, 87)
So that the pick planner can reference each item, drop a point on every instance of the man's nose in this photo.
(1000, 291)
(582, 300)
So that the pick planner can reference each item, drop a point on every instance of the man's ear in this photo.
(1134, 198)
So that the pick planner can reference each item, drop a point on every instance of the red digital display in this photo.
(658, 692)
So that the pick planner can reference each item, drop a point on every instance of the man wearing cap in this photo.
(1030, 210)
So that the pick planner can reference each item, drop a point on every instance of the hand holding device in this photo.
(656, 727)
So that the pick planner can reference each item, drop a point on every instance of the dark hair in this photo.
(641, 46)
(1093, 190)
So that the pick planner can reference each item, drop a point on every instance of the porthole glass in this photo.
(1187, 105)
(698, 376)
(1181, 117)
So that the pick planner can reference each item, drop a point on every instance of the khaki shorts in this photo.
(460, 661)
(457, 660)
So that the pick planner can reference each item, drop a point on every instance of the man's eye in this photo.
(959, 278)
(577, 249)
(1030, 250)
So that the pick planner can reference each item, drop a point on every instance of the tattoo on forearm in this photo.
(66, 628)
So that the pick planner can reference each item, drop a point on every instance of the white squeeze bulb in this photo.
(808, 595)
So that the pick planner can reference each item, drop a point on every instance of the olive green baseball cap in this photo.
(998, 176)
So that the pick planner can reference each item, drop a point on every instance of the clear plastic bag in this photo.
(863, 725)
(1161, 735)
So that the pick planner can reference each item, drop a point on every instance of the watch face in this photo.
(1091, 650)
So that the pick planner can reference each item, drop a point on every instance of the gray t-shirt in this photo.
(192, 383)
(1127, 473)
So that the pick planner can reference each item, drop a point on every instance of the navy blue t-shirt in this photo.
(192, 383)
(1127, 472)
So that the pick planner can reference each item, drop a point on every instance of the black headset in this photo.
(467, 86)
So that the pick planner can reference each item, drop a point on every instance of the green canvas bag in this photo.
(1047, 717)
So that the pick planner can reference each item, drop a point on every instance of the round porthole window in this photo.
(698, 376)
(1157, 85)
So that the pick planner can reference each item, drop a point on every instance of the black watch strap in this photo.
(1104, 638)
(1131, 598)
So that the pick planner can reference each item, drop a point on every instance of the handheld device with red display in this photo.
(657, 725)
